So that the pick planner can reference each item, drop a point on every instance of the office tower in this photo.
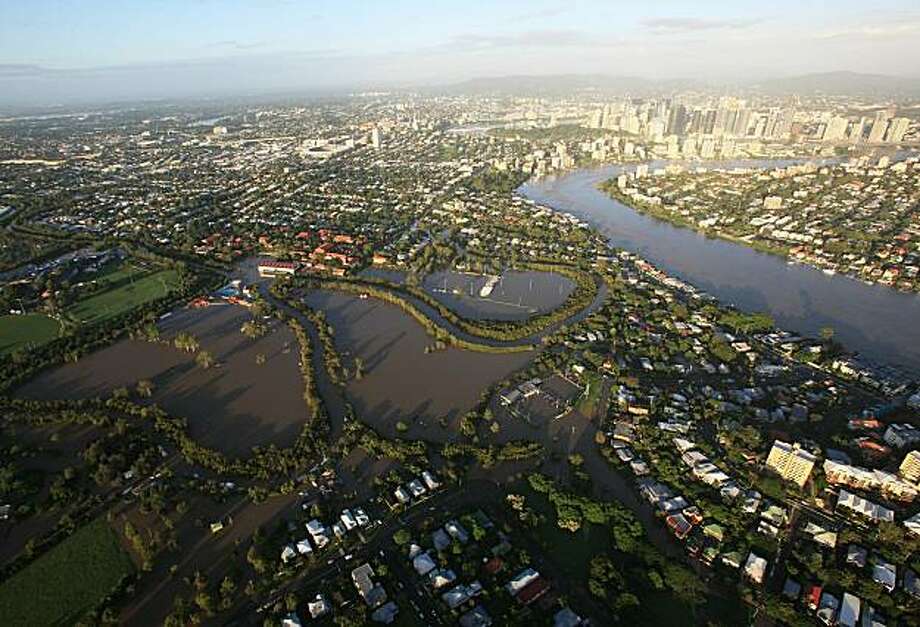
(677, 120)
(742, 122)
(696, 122)
(708, 122)
(721, 122)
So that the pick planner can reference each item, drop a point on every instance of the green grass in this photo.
(20, 331)
(590, 398)
(112, 272)
(125, 298)
(63, 584)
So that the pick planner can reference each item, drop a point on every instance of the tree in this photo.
(253, 329)
(402, 537)
(204, 359)
(145, 388)
(186, 342)
(256, 560)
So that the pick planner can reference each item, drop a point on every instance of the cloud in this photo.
(561, 38)
(680, 25)
(20, 70)
(237, 45)
(542, 14)
(908, 28)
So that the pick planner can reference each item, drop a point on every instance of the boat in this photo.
(829, 271)
(486, 290)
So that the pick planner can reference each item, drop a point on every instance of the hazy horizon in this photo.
(66, 52)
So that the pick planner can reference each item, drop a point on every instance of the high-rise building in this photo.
(721, 122)
(910, 467)
(897, 128)
(375, 137)
(708, 148)
(656, 129)
(677, 120)
(879, 126)
(858, 130)
(836, 129)
(791, 462)
(708, 122)
(742, 122)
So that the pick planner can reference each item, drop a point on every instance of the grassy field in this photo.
(63, 584)
(117, 301)
(19, 331)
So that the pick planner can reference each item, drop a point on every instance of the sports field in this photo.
(124, 298)
(20, 331)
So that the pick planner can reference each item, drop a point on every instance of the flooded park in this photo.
(232, 406)
(402, 381)
(513, 295)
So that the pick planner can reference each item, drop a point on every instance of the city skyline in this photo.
(59, 52)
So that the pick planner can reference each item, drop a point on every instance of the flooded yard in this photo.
(232, 406)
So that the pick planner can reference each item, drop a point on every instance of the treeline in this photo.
(264, 463)
(488, 456)
(361, 435)
(499, 330)
(331, 359)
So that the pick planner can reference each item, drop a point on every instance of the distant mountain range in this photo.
(830, 83)
(560, 84)
(843, 83)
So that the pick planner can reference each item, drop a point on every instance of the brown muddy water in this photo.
(401, 382)
(517, 295)
(231, 407)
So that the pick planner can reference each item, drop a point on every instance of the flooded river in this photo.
(880, 323)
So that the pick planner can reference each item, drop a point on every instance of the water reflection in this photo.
(878, 322)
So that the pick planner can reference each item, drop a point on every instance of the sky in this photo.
(83, 50)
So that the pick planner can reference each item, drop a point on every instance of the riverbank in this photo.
(609, 187)
(877, 323)
(659, 212)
